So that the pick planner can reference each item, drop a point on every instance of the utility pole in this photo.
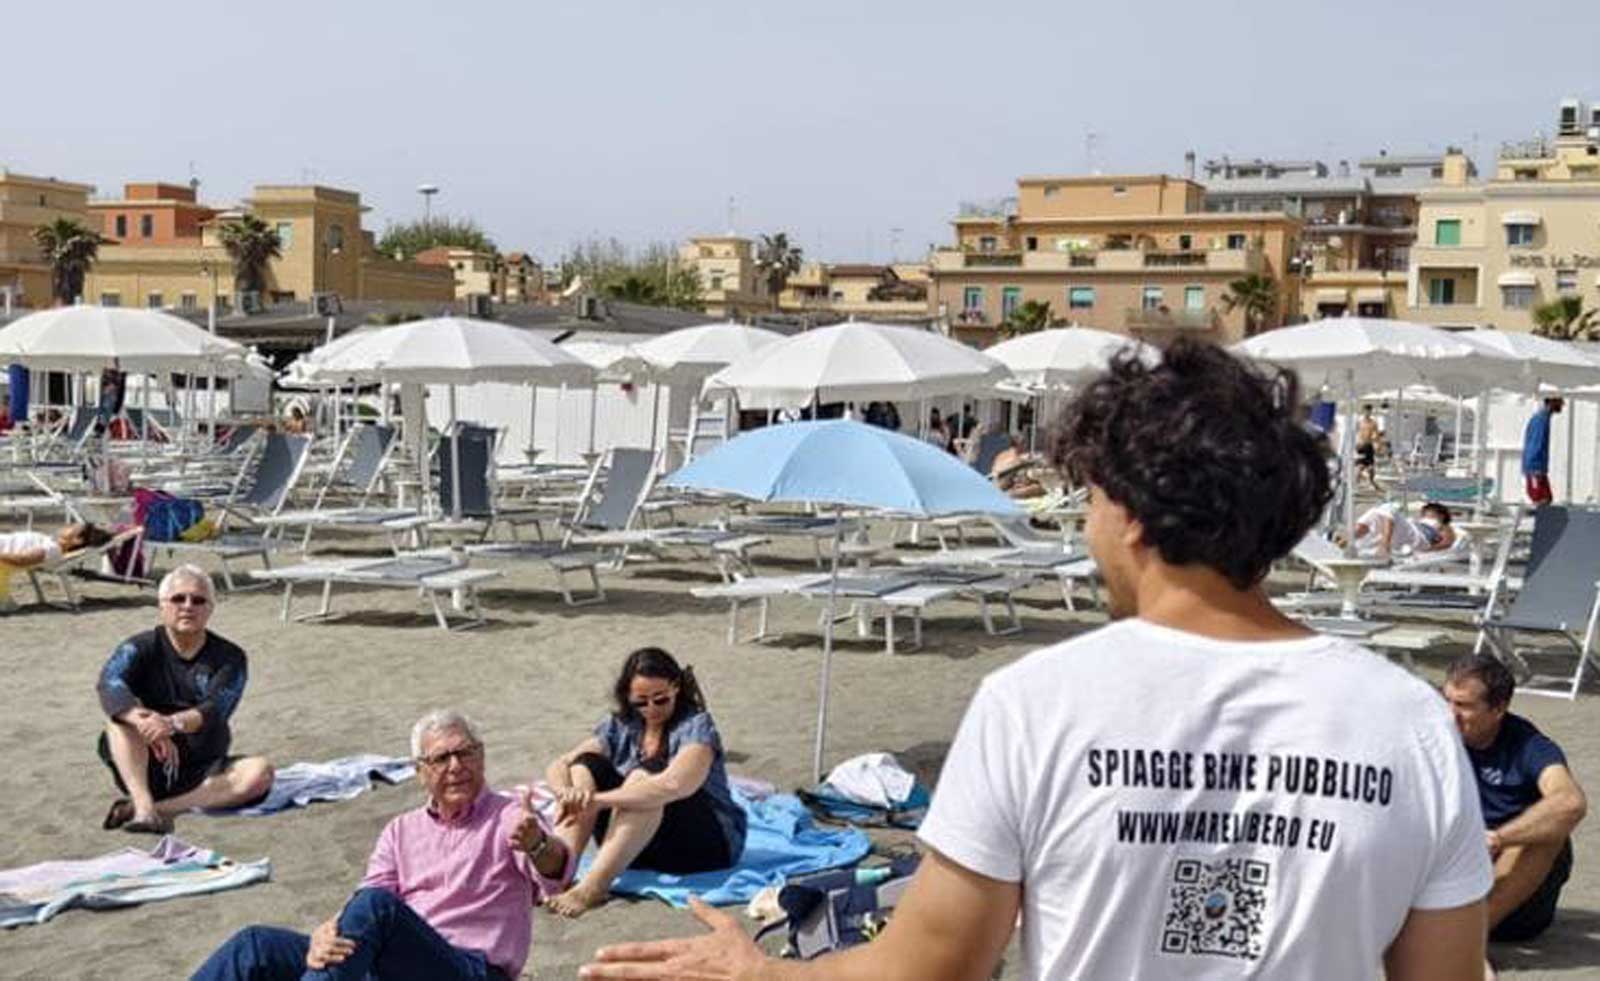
(427, 191)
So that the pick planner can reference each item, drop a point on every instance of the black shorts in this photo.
(190, 774)
(1366, 455)
(1539, 910)
(690, 838)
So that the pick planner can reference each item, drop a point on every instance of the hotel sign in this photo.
(1524, 261)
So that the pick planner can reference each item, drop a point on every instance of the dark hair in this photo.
(1439, 509)
(1499, 684)
(653, 662)
(1205, 452)
(91, 535)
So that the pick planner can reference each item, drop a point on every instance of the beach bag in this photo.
(838, 908)
(126, 561)
(165, 517)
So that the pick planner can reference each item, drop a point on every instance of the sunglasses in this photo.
(188, 599)
(441, 759)
(659, 701)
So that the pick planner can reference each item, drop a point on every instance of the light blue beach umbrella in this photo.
(842, 464)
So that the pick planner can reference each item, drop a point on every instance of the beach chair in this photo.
(1559, 600)
(433, 576)
(260, 493)
(482, 509)
(990, 445)
(1450, 587)
(355, 471)
(84, 563)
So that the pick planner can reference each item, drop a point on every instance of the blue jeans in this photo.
(392, 943)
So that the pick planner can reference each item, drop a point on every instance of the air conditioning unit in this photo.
(327, 304)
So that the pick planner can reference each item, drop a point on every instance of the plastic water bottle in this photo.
(872, 876)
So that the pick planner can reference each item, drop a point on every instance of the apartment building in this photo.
(731, 283)
(1490, 252)
(1133, 254)
(26, 203)
(514, 277)
(883, 293)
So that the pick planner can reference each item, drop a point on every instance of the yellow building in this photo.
(860, 290)
(731, 284)
(26, 203)
(1488, 253)
(1134, 254)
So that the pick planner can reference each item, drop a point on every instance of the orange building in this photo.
(153, 214)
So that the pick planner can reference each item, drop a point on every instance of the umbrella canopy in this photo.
(611, 362)
(1368, 354)
(446, 351)
(842, 463)
(857, 362)
(1065, 357)
(85, 338)
(691, 354)
(1544, 361)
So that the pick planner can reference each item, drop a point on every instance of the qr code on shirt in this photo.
(1217, 908)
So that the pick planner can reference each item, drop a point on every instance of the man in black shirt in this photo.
(168, 694)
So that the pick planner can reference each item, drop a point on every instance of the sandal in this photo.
(121, 813)
(156, 826)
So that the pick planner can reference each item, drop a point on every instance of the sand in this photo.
(536, 679)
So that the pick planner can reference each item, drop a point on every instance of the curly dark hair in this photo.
(1205, 451)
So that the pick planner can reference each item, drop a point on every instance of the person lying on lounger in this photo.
(21, 550)
(1012, 471)
(650, 785)
(1384, 530)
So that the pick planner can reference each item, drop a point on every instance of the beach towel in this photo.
(302, 783)
(781, 842)
(126, 877)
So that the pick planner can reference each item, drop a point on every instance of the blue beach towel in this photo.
(781, 842)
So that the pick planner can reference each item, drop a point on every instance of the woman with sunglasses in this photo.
(649, 785)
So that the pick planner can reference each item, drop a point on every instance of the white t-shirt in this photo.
(14, 542)
(1177, 806)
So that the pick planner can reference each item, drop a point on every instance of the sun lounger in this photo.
(1559, 600)
(77, 563)
(430, 575)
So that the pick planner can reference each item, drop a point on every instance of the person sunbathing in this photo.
(22, 550)
(650, 785)
(1383, 530)
(1012, 471)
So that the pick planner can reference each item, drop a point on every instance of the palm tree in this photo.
(1027, 318)
(777, 260)
(70, 249)
(1565, 319)
(1256, 295)
(251, 244)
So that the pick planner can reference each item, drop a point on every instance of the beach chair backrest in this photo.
(237, 437)
(1558, 589)
(1506, 544)
(370, 447)
(990, 445)
(477, 458)
(277, 467)
(626, 484)
(1018, 531)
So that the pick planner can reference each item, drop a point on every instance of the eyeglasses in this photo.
(188, 599)
(440, 760)
(659, 701)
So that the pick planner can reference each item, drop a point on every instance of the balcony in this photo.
(994, 260)
(1161, 318)
(1174, 260)
(1106, 260)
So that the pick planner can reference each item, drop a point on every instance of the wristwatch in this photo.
(544, 843)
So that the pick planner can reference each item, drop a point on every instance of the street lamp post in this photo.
(427, 191)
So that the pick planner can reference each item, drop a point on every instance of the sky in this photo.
(854, 127)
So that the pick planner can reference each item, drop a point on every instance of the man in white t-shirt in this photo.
(1201, 789)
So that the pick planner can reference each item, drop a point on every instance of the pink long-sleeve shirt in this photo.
(464, 878)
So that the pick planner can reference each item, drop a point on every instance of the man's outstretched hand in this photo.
(721, 955)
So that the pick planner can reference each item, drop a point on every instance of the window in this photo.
(1033, 243)
(1516, 297)
(189, 301)
(1151, 298)
(1386, 171)
(1566, 280)
(122, 226)
(972, 298)
(153, 301)
(1080, 298)
(285, 230)
(1051, 190)
(1118, 190)
(1235, 241)
(1194, 297)
(334, 237)
(987, 243)
(44, 201)
(1441, 292)
(716, 282)
(111, 299)
(1185, 242)
(1447, 231)
(1519, 235)
(838, 295)
(147, 226)
(1010, 299)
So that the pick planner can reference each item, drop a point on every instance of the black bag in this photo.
(839, 908)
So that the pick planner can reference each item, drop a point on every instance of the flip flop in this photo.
(121, 813)
(158, 826)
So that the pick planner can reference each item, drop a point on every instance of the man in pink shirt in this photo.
(449, 889)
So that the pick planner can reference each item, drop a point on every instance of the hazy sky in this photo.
(838, 122)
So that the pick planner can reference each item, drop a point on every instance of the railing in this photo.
(993, 260)
(973, 317)
(1161, 318)
(1081, 260)
(1185, 259)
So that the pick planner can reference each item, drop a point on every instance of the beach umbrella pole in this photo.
(455, 461)
(1348, 442)
(1572, 455)
(827, 649)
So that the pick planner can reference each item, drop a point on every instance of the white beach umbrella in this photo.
(1554, 363)
(1065, 357)
(89, 338)
(693, 353)
(857, 362)
(611, 362)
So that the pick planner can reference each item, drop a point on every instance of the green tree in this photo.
(1565, 319)
(251, 243)
(777, 260)
(70, 249)
(652, 276)
(407, 238)
(1257, 296)
(1027, 318)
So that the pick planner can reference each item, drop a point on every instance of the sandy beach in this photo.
(536, 679)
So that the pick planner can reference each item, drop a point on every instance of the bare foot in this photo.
(576, 901)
